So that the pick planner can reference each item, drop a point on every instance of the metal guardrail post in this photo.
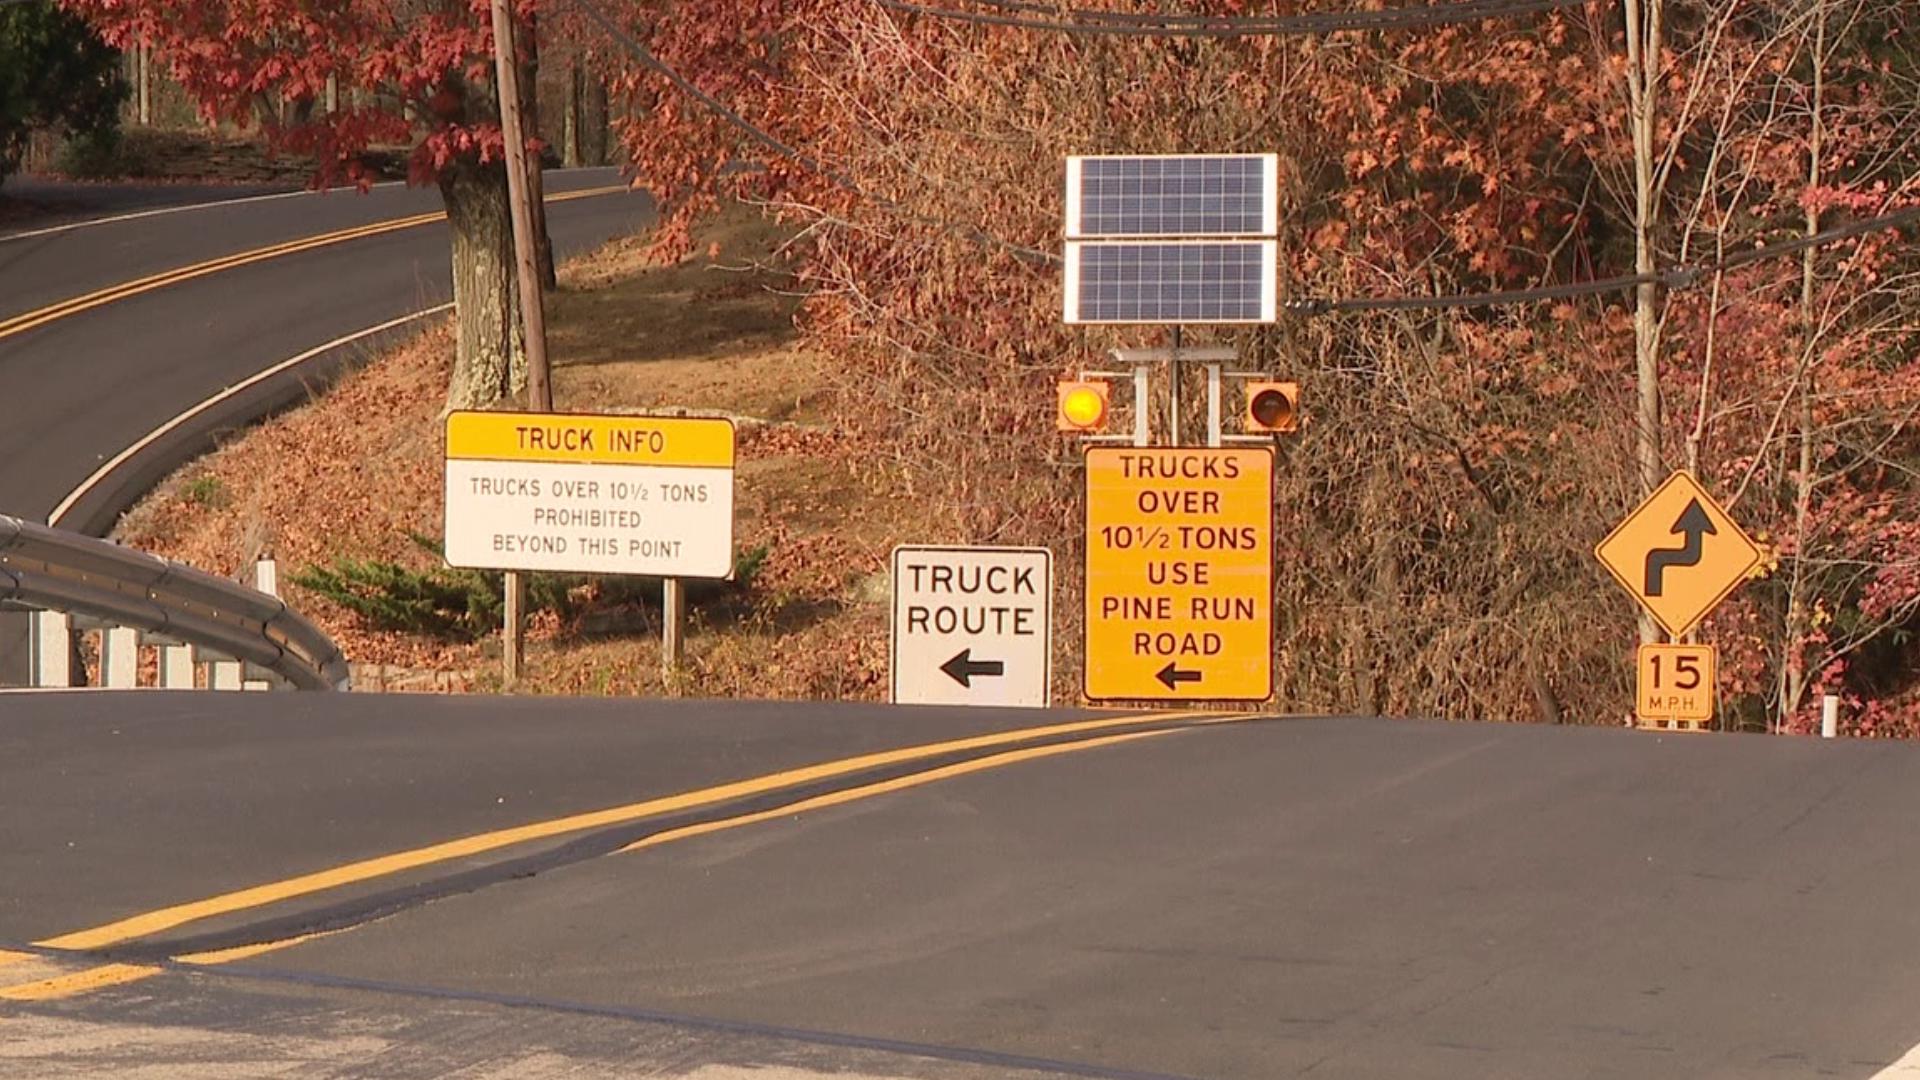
(177, 664)
(120, 658)
(51, 646)
(266, 578)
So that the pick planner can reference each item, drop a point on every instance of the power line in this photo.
(1819, 239)
(1680, 277)
(1061, 12)
(1085, 21)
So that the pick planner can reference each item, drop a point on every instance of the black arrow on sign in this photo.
(963, 667)
(1693, 524)
(1171, 677)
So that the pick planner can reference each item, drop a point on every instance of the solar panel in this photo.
(1194, 281)
(1184, 195)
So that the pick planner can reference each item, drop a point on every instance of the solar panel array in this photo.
(1224, 281)
(1198, 195)
(1171, 239)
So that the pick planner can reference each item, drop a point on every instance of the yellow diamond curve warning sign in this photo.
(1678, 553)
(1179, 574)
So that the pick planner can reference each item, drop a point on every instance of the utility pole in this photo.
(533, 318)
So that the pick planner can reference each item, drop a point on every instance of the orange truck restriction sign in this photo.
(1179, 574)
(1676, 682)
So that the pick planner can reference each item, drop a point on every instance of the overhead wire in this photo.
(1165, 18)
(1678, 277)
(1085, 21)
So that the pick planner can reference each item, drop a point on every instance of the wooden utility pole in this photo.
(533, 316)
(527, 47)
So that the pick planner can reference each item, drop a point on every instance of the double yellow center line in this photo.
(20, 324)
(1096, 733)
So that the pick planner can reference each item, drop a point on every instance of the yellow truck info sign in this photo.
(590, 494)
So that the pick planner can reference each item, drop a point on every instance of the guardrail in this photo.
(137, 598)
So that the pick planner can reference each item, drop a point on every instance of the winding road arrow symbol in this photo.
(1171, 677)
(1693, 523)
(963, 668)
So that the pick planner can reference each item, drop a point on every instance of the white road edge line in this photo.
(88, 223)
(1907, 1068)
(106, 470)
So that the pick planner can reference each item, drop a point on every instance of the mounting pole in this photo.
(673, 637)
(1142, 422)
(533, 316)
(1173, 389)
(1213, 405)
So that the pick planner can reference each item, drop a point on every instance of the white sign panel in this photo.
(972, 626)
(590, 494)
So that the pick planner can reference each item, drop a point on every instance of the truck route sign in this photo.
(972, 625)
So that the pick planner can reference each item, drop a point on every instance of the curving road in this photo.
(82, 387)
(84, 376)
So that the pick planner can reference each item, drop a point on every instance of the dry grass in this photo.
(352, 473)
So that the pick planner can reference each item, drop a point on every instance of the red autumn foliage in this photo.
(398, 66)
(1438, 510)
(1437, 513)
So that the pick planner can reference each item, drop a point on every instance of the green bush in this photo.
(206, 490)
(104, 154)
(465, 605)
(458, 604)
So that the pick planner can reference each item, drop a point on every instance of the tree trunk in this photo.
(1643, 92)
(570, 138)
(602, 113)
(1793, 667)
(143, 64)
(490, 362)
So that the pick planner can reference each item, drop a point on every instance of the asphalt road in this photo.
(1260, 898)
(84, 387)
(32, 203)
(81, 388)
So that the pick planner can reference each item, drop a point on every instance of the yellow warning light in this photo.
(1273, 406)
(1083, 406)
